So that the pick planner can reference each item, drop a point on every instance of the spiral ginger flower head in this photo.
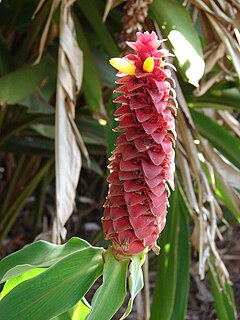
(142, 164)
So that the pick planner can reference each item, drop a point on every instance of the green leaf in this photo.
(172, 285)
(135, 282)
(92, 131)
(183, 263)
(37, 104)
(165, 287)
(80, 311)
(209, 105)
(18, 84)
(38, 254)
(110, 295)
(35, 145)
(44, 130)
(91, 83)
(176, 25)
(91, 12)
(223, 294)
(219, 99)
(12, 283)
(227, 195)
(56, 290)
(220, 138)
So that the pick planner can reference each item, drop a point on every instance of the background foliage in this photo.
(54, 59)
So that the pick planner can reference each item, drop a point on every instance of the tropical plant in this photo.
(56, 119)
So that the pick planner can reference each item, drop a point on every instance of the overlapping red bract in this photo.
(142, 164)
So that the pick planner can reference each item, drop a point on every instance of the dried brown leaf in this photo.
(43, 40)
(67, 153)
(110, 4)
(229, 172)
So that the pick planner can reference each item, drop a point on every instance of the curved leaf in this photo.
(38, 254)
(56, 290)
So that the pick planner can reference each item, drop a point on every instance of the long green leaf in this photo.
(56, 290)
(110, 295)
(209, 105)
(91, 83)
(219, 98)
(38, 254)
(165, 288)
(91, 12)
(220, 138)
(183, 263)
(223, 294)
(176, 25)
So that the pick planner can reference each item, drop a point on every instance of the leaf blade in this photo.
(45, 296)
(37, 254)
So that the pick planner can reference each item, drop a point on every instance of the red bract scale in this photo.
(142, 164)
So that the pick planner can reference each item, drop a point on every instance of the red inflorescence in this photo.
(142, 164)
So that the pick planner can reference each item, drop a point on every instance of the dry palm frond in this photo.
(43, 40)
(67, 137)
(220, 22)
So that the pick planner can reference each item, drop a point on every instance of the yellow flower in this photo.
(123, 65)
(148, 64)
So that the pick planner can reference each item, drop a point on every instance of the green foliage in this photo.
(224, 299)
(55, 290)
(172, 281)
(11, 84)
(12, 283)
(40, 254)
